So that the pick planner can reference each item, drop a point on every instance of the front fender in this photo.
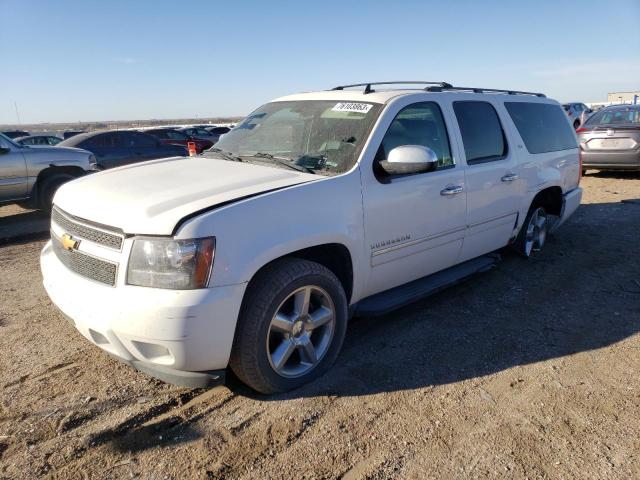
(253, 232)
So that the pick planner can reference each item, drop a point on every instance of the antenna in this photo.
(17, 114)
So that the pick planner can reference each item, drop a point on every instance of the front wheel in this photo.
(534, 232)
(49, 187)
(291, 327)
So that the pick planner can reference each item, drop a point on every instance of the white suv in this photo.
(316, 207)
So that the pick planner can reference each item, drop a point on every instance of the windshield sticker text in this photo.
(352, 107)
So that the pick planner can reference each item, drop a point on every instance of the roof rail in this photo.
(482, 90)
(368, 89)
(437, 87)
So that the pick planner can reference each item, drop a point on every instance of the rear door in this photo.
(494, 187)
(13, 172)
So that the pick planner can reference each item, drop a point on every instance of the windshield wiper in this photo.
(225, 155)
(287, 162)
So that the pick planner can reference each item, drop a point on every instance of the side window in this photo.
(542, 126)
(141, 140)
(99, 141)
(115, 140)
(173, 135)
(482, 134)
(418, 124)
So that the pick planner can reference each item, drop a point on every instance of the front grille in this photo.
(111, 240)
(85, 265)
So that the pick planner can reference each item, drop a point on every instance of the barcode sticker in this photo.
(352, 107)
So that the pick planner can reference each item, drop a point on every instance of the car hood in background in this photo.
(152, 197)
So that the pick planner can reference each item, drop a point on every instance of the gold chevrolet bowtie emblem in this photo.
(68, 242)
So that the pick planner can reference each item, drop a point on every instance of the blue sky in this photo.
(112, 60)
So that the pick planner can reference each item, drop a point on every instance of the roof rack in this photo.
(437, 87)
(368, 89)
(482, 90)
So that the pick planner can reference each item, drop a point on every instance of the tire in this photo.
(48, 188)
(273, 353)
(534, 232)
(576, 124)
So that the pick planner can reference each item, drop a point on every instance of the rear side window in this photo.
(482, 134)
(542, 126)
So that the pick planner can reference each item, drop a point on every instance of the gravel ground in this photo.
(527, 371)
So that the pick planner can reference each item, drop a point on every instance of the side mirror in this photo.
(407, 159)
(4, 150)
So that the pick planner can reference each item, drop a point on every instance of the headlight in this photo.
(93, 163)
(169, 263)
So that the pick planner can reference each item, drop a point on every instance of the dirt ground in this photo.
(527, 371)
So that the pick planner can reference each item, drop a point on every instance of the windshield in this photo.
(616, 116)
(323, 137)
(7, 141)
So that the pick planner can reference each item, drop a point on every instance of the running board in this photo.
(397, 297)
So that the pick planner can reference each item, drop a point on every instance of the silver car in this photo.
(610, 139)
(30, 176)
(577, 113)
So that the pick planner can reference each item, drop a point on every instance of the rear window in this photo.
(615, 117)
(543, 127)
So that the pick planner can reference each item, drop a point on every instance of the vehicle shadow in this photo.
(581, 294)
(619, 174)
(19, 225)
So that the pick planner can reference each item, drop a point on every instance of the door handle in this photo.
(510, 177)
(452, 190)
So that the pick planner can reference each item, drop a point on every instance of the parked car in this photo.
(72, 133)
(610, 139)
(218, 132)
(46, 140)
(30, 176)
(199, 132)
(122, 147)
(172, 136)
(15, 133)
(577, 113)
(316, 207)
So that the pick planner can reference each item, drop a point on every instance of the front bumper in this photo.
(570, 203)
(180, 336)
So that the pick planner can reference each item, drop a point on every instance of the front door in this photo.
(414, 224)
(13, 171)
(494, 187)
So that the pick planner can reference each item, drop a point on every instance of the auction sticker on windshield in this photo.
(352, 107)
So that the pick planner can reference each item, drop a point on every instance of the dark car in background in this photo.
(172, 136)
(15, 133)
(72, 133)
(116, 148)
(39, 140)
(199, 132)
(610, 139)
(217, 132)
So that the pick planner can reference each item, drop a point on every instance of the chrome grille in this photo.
(110, 240)
(85, 265)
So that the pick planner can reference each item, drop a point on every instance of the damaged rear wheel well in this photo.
(550, 199)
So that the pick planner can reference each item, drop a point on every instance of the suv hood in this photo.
(152, 197)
